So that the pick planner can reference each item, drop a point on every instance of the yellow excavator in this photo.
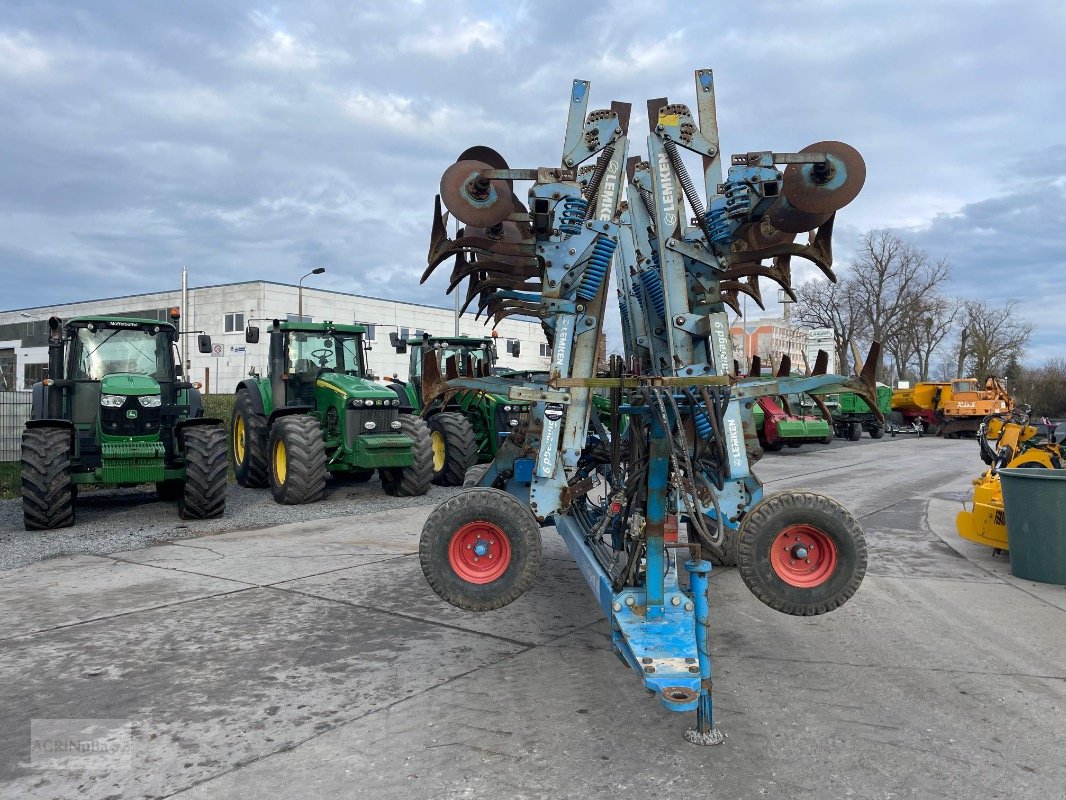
(1006, 440)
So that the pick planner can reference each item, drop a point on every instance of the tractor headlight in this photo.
(355, 402)
(370, 425)
(506, 408)
(513, 423)
(112, 400)
(395, 425)
(396, 401)
(150, 401)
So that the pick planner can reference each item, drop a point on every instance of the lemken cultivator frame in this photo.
(680, 440)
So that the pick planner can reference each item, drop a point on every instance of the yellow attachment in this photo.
(437, 439)
(238, 440)
(281, 462)
(985, 524)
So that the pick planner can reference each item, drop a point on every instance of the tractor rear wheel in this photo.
(415, 479)
(854, 431)
(297, 460)
(454, 447)
(47, 493)
(801, 553)
(480, 549)
(205, 473)
(248, 443)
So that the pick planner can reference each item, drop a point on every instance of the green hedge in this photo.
(10, 479)
(219, 405)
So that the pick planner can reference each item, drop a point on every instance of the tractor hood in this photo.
(350, 386)
(129, 384)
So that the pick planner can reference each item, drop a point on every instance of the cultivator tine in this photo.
(750, 287)
(821, 363)
(756, 366)
(784, 369)
(868, 375)
(730, 299)
(451, 369)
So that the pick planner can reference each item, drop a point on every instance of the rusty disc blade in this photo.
(485, 154)
(825, 188)
(472, 199)
(785, 217)
(763, 234)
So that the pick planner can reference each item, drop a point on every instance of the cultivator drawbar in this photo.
(680, 438)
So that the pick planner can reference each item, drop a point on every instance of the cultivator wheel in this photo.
(47, 493)
(801, 553)
(454, 447)
(297, 460)
(248, 435)
(204, 496)
(480, 549)
(415, 479)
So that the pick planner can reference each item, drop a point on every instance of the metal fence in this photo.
(14, 411)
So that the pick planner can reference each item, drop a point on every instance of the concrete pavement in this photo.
(312, 660)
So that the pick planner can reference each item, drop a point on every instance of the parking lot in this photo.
(298, 652)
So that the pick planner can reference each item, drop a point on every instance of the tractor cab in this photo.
(455, 356)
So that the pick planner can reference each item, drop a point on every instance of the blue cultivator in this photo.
(680, 439)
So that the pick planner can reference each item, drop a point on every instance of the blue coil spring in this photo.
(703, 424)
(719, 224)
(572, 217)
(597, 268)
(737, 199)
(624, 309)
(652, 282)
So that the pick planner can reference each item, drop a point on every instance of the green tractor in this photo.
(114, 411)
(318, 412)
(852, 415)
(466, 427)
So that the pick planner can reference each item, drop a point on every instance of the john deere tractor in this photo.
(114, 411)
(317, 412)
(465, 426)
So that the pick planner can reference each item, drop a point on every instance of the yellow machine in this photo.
(963, 411)
(1006, 440)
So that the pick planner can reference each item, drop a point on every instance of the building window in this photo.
(34, 373)
(545, 350)
(298, 318)
(234, 322)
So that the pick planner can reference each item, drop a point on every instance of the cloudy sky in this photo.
(258, 141)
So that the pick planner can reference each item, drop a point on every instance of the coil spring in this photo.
(737, 199)
(623, 308)
(572, 216)
(653, 285)
(703, 424)
(719, 226)
(597, 268)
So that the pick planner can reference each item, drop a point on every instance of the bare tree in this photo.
(992, 338)
(891, 279)
(821, 304)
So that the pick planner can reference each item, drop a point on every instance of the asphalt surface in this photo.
(311, 660)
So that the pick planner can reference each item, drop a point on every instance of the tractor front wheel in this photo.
(801, 553)
(415, 479)
(248, 443)
(297, 460)
(480, 549)
(454, 447)
(47, 493)
(205, 473)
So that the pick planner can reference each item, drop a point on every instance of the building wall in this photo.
(769, 339)
(260, 302)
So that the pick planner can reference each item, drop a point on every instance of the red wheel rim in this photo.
(803, 556)
(479, 552)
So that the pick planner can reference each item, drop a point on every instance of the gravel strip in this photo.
(112, 520)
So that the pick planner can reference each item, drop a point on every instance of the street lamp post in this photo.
(300, 291)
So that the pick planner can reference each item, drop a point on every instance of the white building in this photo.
(223, 312)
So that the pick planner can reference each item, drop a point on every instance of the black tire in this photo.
(297, 459)
(454, 447)
(47, 493)
(250, 429)
(205, 473)
(844, 563)
(854, 431)
(474, 475)
(416, 479)
(481, 514)
(773, 447)
(794, 444)
(170, 490)
(877, 431)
